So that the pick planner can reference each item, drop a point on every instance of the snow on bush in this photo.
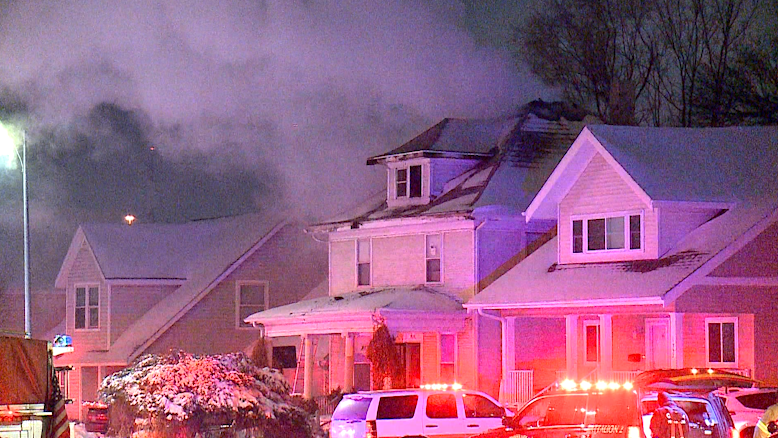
(184, 394)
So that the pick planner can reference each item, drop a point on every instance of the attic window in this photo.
(408, 182)
(609, 233)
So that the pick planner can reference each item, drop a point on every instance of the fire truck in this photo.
(26, 387)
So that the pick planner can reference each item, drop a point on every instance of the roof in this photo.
(716, 165)
(539, 282)
(516, 153)
(205, 252)
(357, 311)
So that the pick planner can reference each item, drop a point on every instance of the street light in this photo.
(7, 142)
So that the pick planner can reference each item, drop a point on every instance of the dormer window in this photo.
(408, 182)
(609, 233)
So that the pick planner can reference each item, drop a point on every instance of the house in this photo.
(411, 256)
(665, 255)
(152, 288)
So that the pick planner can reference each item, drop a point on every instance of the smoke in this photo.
(177, 110)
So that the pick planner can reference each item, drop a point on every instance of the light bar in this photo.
(442, 386)
(571, 385)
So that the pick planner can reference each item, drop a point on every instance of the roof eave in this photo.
(379, 159)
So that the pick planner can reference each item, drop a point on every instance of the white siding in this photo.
(601, 190)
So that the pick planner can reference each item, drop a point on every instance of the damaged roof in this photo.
(516, 153)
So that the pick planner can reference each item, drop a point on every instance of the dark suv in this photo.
(608, 411)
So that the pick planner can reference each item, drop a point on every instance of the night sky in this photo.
(179, 110)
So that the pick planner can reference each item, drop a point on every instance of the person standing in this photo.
(771, 414)
(669, 420)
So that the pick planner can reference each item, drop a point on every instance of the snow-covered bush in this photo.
(182, 395)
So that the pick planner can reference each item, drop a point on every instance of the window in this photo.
(592, 334)
(391, 408)
(408, 182)
(87, 313)
(432, 257)
(441, 406)
(363, 262)
(284, 357)
(251, 298)
(447, 357)
(477, 406)
(722, 341)
(607, 233)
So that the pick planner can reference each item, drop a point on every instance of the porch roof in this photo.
(540, 282)
(400, 307)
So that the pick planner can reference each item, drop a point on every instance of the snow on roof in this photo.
(538, 281)
(696, 164)
(523, 150)
(207, 250)
(409, 298)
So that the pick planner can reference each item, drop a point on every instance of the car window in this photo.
(402, 406)
(477, 406)
(758, 400)
(441, 406)
(352, 408)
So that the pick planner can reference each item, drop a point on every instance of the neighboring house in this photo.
(665, 256)
(152, 288)
(449, 217)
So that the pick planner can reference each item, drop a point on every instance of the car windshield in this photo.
(352, 408)
(580, 409)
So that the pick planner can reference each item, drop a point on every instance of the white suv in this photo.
(746, 405)
(415, 412)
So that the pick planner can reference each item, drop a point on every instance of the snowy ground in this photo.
(78, 430)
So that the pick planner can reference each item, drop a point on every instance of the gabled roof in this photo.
(198, 255)
(414, 308)
(703, 165)
(539, 282)
(517, 153)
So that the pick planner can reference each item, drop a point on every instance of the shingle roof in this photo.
(696, 164)
(518, 152)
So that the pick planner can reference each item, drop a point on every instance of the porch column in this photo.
(676, 340)
(606, 345)
(571, 342)
(308, 369)
(508, 345)
(348, 365)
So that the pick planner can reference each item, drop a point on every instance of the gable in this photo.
(602, 191)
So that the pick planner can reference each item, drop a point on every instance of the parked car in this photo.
(746, 405)
(708, 415)
(693, 378)
(415, 412)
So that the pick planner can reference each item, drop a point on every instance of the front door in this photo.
(410, 356)
(657, 343)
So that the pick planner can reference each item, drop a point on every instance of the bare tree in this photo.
(596, 51)
(657, 62)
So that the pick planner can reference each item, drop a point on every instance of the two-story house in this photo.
(152, 288)
(665, 256)
(449, 217)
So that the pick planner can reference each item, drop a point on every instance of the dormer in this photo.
(418, 170)
(615, 198)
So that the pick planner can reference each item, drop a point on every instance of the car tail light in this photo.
(371, 429)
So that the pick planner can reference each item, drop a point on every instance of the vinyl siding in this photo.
(399, 260)
(759, 258)
(629, 333)
(86, 272)
(129, 302)
(444, 170)
(466, 369)
(541, 345)
(343, 266)
(489, 356)
(677, 222)
(458, 260)
(694, 340)
(600, 190)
